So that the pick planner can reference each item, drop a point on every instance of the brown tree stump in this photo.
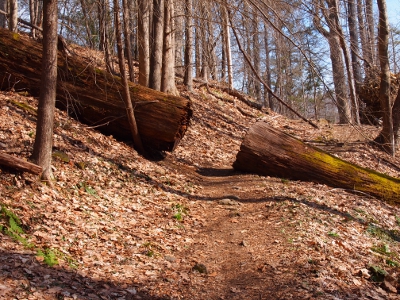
(93, 96)
(268, 151)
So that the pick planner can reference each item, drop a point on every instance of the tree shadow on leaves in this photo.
(22, 275)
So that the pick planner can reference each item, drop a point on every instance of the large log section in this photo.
(93, 96)
(268, 151)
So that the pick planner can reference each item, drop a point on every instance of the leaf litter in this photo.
(117, 226)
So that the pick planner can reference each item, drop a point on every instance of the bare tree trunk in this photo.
(396, 120)
(143, 41)
(126, 94)
(127, 35)
(33, 15)
(371, 29)
(227, 46)
(365, 42)
(104, 45)
(13, 19)
(157, 45)
(354, 43)
(333, 38)
(256, 56)
(267, 95)
(42, 149)
(386, 136)
(168, 62)
(3, 18)
(179, 31)
(188, 79)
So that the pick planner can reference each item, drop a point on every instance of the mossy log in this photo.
(19, 164)
(93, 96)
(268, 151)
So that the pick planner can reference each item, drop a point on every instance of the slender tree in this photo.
(386, 136)
(168, 59)
(42, 149)
(125, 85)
(13, 16)
(188, 79)
(143, 41)
(227, 45)
(157, 45)
(3, 18)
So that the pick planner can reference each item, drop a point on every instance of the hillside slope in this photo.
(189, 226)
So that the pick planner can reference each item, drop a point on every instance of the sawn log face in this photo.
(268, 151)
(93, 96)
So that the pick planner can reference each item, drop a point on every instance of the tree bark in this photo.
(227, 45)
(188, 77)
(19, 164)
(267, 151)
(42, 148)
(13, 17)
(3, 18)
(157, 45)
(127, 39)
(386, 136)
(168, 60)
(93, 96)
(143, 41)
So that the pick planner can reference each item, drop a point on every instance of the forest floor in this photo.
(117, 226)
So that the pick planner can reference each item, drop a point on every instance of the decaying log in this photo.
(18, 164)
(268, 151)
(93, 96)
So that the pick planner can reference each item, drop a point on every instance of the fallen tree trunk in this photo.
(268, 151)
(93, 96)
(18, 164)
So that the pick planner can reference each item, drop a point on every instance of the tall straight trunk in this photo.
(198, 50)
(364, 40)
(168, 61)
(227, 46)
(33, 14)
(386, 136)
(371, 29)
(13, 17)
(42, 148)
(104, 45)
(127, 35)
(256, 56)
(354, 43)
(3, 18)
(125, 85)
(133, 28)
(157, 45)
(143, 41)
(267, 95)
(355, 113)
(179, 32)
(396, 120)
(188, 79)
(204, 43)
